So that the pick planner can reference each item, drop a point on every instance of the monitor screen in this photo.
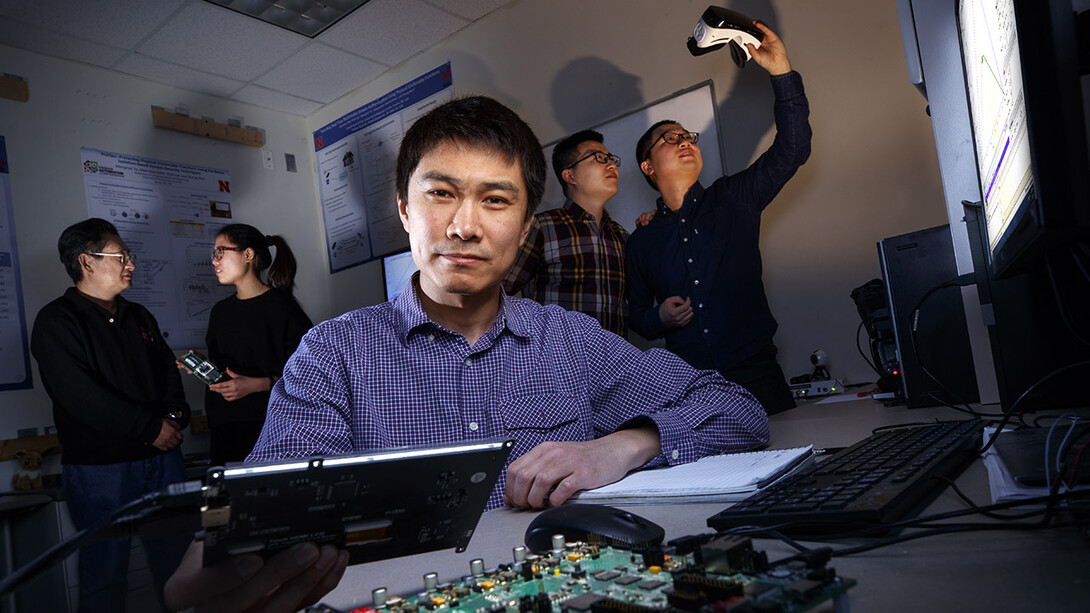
(397, 269)
(997, 108)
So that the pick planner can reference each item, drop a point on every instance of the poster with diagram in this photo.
(14, 349)
(356, 158)
(169, 214)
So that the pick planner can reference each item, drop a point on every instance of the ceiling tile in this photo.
(57, 45)
(395, 30)
(320, 73)
(276, 101)
(217, 40)
(118, 23)
(470, 9)
(178, 76)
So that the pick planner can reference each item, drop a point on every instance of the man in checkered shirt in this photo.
(454, 358)
(574, 255)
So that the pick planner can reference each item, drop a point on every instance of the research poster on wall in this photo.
(356, 161)
(169, 214)
(14, 348)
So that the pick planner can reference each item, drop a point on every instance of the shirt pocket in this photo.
(532, 419)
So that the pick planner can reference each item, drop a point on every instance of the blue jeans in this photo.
(93, 492)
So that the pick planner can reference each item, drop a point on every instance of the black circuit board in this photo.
(724, 575)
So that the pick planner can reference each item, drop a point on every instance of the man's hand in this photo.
(645, 218)
(676, 312)
(240, 386)
(170, 436)
(288, 581)
(771, 55)
(551, 472)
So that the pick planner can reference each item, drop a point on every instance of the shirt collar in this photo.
(695, 193)
(411, 315)
(578, 212)
(84, 304)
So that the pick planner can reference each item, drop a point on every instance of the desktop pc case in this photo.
(912, 264)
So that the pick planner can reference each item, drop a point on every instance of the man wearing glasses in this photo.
(117, 403)
(694, 271)
(574, 255)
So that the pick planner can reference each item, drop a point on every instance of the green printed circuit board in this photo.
(724, 575)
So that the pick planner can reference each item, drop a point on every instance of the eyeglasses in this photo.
(124, 256)
(217, 252)
(673, 138)
(600, 157)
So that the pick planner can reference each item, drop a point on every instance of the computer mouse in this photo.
(592, 523)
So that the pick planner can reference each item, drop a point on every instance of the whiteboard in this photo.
(693, 108)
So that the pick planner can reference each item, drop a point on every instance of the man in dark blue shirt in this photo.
(694, 271)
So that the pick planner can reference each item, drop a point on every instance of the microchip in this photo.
(629, 580)
(606, 575)
(654, 584)
(582, 602)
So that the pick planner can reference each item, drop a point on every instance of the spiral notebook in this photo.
(719, 478)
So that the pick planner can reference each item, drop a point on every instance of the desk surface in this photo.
(972, 571)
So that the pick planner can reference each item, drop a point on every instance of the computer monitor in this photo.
(397, 269)
(1026, 111)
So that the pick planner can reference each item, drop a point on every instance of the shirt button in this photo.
(690, 260)
(431, 337)
(696, 282)
(695, 231)
(473, 426)
(685, 240)
(701, 305)
(469, 361)
(675, 454)
(682, 220)
(705, 330)
(111, 320)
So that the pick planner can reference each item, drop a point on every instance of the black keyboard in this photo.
(880, 479)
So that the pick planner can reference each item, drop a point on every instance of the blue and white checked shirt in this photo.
(387, 376)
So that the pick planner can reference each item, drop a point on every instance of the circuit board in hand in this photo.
(723, 575)
(376, 506)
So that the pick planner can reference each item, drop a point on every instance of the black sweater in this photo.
(111, 379)
(255, 338)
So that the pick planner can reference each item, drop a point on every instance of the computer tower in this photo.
(942, 372)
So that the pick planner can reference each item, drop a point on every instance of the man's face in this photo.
(465, 212)
(666, 160)
(108, 276)
(590, 176)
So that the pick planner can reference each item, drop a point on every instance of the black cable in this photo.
(1012, 412)
(859, 348)
(1061, 305)
(914, 320)
(171, 511)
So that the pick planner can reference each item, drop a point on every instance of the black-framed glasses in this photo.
(673, 138)
(599, 156)
(124, 256)
(217, 252)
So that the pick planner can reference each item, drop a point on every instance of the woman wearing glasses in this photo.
(250, 334)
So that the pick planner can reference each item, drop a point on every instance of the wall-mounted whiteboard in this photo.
(694, 108)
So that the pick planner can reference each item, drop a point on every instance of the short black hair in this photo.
(477, 121)
(86, 236)
(566, 151)
(643, 148)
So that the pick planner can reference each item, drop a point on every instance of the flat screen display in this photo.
(997, 108)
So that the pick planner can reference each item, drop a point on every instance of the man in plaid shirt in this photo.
(574, 255)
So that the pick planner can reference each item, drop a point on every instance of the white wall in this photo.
(73, 105)
(563, 65)
(568, 64)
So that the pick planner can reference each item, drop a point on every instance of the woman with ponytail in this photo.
(250, 334)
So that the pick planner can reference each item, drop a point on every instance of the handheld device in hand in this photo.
(203, 369)
(379, 505)
(718, 27)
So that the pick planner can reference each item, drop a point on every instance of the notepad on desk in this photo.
(719, 478)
